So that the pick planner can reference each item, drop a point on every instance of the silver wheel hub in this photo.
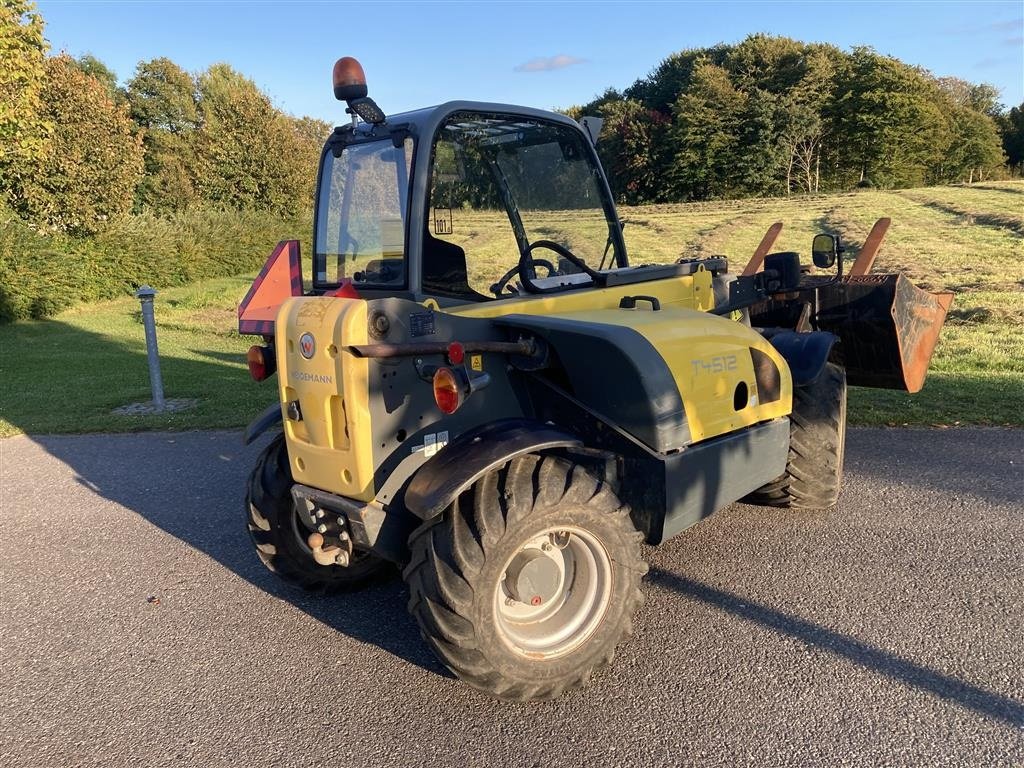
(533, 578)
(553, 593)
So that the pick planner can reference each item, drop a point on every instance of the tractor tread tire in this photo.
(450, 552)
(269, 509)
(814, 468)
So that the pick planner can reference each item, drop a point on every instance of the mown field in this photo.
(68, 373)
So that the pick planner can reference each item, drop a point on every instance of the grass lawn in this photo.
(67, 374)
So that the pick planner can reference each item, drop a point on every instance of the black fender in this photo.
(269, 418)
(472, 455)
(806, 353)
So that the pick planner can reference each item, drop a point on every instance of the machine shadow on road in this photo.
(182, 490)
(189, 484)
(874, 659)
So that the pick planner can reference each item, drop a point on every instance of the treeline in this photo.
(773, 116)
(168, 179)
(77, 150)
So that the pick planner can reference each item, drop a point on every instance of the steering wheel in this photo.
(499, 286)
(599, 278)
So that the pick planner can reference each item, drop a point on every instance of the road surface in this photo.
(138, 629)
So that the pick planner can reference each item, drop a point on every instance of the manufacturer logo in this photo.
(307, 345)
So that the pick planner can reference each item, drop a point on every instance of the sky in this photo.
(539, 54)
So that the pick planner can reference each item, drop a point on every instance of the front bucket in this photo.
(888, 328)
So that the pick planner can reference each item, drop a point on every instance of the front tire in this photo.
(279, 534)
(817, 443)
(529, 580)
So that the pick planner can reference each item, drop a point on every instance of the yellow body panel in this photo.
(330, 447)
(690, 291)
(706, 354)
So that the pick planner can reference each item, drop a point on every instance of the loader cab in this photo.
(462, 203)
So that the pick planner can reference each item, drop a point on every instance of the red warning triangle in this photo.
(280, 278)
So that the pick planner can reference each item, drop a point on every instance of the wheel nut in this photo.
(341, 558)
(319, 514)
(510, 601)
(322, 528)
(546, 547)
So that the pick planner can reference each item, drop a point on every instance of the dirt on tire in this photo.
(277, 535)
(458, 560)
(814, 467)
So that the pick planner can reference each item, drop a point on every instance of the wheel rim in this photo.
(553, 593)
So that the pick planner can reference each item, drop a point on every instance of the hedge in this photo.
(42, 273)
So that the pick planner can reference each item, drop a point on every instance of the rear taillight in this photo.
(262, 363)
(447, 392)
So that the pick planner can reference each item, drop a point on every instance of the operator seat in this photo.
(444, 270)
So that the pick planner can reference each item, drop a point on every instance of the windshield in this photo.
(360, 225)
(500, 184)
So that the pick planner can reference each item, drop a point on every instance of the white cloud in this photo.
(549, 63)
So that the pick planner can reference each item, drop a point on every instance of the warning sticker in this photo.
(476, 362)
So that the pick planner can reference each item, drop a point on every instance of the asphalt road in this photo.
(138, 629)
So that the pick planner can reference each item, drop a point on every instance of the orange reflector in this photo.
(456, 353)
(447, 392)
(261, 364)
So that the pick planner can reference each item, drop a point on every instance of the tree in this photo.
(771, 114)
(981, 97)
(163, 102)
(92, 161)
(162, 95)
(1011, 129)
(627, 150)
(23, 128)
(888, 121)
(705, 132)
(311, 135)
(248, 154)
(772, 64)
(93, 67)
(660, 90)
(759, 155)
(976, 148)
(803, 133)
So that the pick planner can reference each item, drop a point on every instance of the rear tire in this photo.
(548, 531)
(279, 534)
(814, 469)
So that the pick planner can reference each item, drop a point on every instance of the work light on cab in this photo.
(447, 392)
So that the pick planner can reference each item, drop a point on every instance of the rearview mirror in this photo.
(824, 250)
